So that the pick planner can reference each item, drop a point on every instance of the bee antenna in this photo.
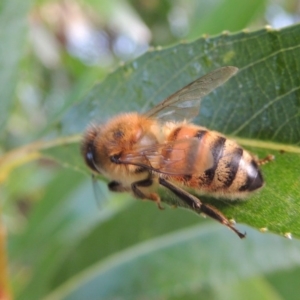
(98, 192)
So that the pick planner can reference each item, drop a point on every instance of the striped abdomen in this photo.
(208, 161)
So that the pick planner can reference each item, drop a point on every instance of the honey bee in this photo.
(140, 152)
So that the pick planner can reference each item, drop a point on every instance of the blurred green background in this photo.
(60, 245)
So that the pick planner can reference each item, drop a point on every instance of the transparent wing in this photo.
(179, 158)
(168, 158)
(185, 103)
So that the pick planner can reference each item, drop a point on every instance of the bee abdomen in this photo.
(254, 179)
(213, 163)
(230, 166)
(236, 171)
(232, 169)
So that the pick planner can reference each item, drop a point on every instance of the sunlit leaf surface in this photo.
(259, 107)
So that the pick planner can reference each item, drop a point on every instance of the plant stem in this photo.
(5, 293)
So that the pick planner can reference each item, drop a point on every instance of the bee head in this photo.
(104, 145)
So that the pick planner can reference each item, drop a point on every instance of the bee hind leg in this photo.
(217, 215)
(195, 203)
(265, 160)
(139, 194)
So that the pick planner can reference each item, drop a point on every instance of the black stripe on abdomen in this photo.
(233, 166)
(216, 150)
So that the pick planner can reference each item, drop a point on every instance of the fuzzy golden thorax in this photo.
(123, 134)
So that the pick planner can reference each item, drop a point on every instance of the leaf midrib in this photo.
(39, 146)
(268, 145)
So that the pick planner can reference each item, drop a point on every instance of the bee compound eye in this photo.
(90, 158)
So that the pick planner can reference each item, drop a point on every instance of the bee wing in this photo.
(185, 103)
(168, 158)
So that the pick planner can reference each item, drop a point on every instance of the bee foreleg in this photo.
(143, 183)
(198, 206)
(115, 186)
(139, 194)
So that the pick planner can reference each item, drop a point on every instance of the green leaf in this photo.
(277, 206)
(65, 214)
(282, 281)
(134, 225)
(13, 18)
(179, 263)
(249, 105)
(73, 234)
(211, 17)
(259, 107)
(259, 287)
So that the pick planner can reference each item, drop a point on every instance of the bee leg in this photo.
(115, 186)
(195, 203)
(217, 215)
(139, 194)
(265, 160)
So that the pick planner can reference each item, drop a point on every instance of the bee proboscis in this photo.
(139, 152)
